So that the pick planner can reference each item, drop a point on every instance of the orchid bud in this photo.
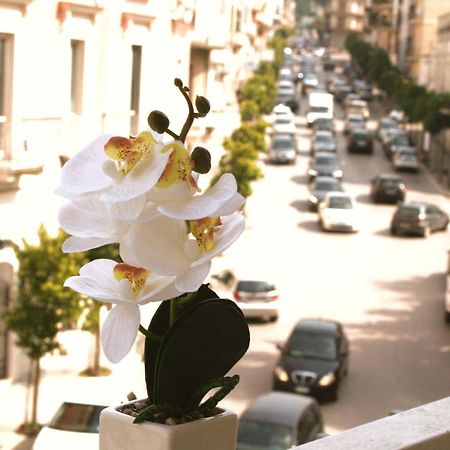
(158, 121)
(202, 105)
(201, 159)
(178, 83)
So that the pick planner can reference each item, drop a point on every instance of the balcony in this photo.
(424, 428)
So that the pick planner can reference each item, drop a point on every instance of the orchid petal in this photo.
(83, 173)
(204, 205)
(231, 206)
(119, 331)
(157, 246)
(86, 216)
(139, 180)
(232, 227)
(75, 244)
(192, 280)
(158, 288)
(128, 210)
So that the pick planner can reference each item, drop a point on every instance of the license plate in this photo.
(390, 192)
(302, 389)
(360, 143)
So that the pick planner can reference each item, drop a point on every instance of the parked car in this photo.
(73, 427)
(284, 124)
(281, 110)
(360, 140)
(278, 421)
(313, 360)
(287, 95)
(353, 122)
(385, 124)
(388, 135)
(396, 139)
(337, 212)
(283, 148)
(323, 141)
(325, 163)
(324, 124)
(320, 187)
(405, 158)
(387, 188)
(257, 299)
(418, 218)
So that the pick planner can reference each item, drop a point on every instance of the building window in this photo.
(4, 300)
(6, 63)
(135, 87)
(76, 76)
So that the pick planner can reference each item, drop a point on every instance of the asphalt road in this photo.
(387, 291)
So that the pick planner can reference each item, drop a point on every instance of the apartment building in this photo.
(422, 36)
(440, 61)
(383, 25)
(344, 17)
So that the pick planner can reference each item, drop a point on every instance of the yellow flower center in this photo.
(178, 168)
(135, 275)
(128, 152)
(203, 231)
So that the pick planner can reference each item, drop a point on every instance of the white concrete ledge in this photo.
(424, 428)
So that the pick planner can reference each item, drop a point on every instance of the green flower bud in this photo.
(177, 82)
(202, 105)
(201, 159)
(158, 121)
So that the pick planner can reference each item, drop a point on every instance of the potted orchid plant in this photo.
(141, 192)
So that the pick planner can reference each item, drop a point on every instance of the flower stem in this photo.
(190, 118)
(149, 334)
(173, 311)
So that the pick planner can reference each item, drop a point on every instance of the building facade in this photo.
(343, 17)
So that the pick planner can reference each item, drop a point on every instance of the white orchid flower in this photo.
(93, 223)
(182, 249)
(127, 287)
(121, 169)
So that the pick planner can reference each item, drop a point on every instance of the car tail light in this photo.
(273, 297)
(236, 296)
(403, 188)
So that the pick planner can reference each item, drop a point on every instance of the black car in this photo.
(418, 218)
(325, 163)
(323, 124)
(398, 139)
(320, 187)
(387, 188)
(360, 140)
(314, 359)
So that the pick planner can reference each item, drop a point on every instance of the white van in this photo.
(320, 105)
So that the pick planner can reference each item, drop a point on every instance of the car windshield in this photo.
(340, 203)
(324, 138)
(400, 139)
(388, 123)
(408, 153)
(255, 286)
(314, 346)
(319, 109)
(255, 435)
(363, 135)
(282, 143)
(77, 417)
(327, 185)
(325, 160)
(389, 183)
(283, 120)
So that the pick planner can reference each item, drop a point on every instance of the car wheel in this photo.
(273, 318)
(447, 317)
(426, 231)
(394, 231)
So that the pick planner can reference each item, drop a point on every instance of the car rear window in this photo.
(390, 183)
(255, 286)
(340, 203)
(253, 434)
(77, 417)
(330, 185)
(409, 210)
(282, 143)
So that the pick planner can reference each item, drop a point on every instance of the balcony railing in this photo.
(424, 428)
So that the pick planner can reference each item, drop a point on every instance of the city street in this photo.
(387, 291)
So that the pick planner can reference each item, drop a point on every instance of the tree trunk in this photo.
(96, 368)
(36, 381)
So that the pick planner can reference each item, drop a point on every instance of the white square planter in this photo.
(118, 432)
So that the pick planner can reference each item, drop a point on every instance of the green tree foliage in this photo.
(252, 134)
(249, 110)
(43, 306)
(262, 90)
(419, 104)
